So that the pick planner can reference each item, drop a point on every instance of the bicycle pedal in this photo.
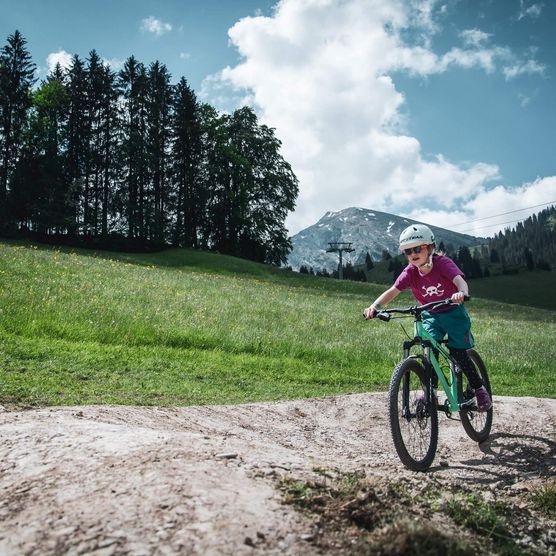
(469, 404)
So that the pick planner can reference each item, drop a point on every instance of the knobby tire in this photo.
(477, 424)
(415, 435)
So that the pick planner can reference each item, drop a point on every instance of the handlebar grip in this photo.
(467, 298)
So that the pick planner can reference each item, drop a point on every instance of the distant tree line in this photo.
(348, 272)
(93, 154)
(532, 243)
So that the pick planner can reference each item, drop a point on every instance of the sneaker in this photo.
(484, 403)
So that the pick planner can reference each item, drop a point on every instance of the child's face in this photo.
(420, 258)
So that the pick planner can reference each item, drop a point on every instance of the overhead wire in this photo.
(490, 226)
(503, 213)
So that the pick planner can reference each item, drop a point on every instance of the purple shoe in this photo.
(484, 403)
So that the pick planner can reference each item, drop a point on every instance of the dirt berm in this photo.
(204, 480)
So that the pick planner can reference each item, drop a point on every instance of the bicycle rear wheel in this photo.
(477, 424)
(413, 422)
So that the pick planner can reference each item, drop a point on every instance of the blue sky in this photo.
(440, 110)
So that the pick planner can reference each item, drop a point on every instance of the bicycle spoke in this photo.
(413, 427)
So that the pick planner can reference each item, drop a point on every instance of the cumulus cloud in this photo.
(155, 26)
(321, 73)
(510, 204)
(61, 57)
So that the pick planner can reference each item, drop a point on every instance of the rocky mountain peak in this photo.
(369, 231)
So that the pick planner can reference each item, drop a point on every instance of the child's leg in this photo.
(466, 365)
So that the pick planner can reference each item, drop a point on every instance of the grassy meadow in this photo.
(183, 327)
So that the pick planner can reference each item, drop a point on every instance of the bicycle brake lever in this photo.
(384, 316)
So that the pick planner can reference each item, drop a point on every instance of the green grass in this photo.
(186, 327)
(544, 499)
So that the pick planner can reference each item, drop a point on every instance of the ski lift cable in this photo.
(502, 214)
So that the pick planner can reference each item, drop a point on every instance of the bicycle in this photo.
(413, 407)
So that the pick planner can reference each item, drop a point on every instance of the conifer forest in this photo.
(126, 159)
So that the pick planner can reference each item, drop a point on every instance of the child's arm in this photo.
(463, 288)
(382, 299)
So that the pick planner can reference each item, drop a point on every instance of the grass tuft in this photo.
(544, 499)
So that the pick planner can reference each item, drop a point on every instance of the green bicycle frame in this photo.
(428, 343)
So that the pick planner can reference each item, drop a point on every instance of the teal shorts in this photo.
(455, 323)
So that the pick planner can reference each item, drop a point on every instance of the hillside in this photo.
(184, 327)
(370, 231)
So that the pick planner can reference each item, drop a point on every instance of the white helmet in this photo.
(416, 234)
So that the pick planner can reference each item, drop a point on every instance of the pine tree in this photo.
(77, 142)
(369, 261)
(132, 81)
(159, 104)
(16, 80)
(190, 195)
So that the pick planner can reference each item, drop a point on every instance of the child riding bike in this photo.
(434, 277)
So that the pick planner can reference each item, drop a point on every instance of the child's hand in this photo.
(458, 297)
(369, 312)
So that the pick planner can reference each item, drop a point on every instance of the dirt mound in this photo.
(203, 480)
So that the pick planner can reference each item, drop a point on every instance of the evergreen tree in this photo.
(132, 82)
(186, 166)
(159, 105)
(51, 104)
(16, 80)
(528, 256)
(494, 256)
(369, 261)
(38, 192)
(465, 261)
(100, 113)
(77, 143)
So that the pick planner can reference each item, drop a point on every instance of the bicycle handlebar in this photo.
(386, 314)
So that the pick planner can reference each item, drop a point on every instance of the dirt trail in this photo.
(202, 480)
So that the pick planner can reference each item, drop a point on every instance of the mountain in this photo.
(368, 230)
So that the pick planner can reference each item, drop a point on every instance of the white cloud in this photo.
(61, 57)
(477, 219)
(521, 68)
(533, 11)
(320, 72)
(115, 63)
(474, 37)
(185, 55)
(155, 26)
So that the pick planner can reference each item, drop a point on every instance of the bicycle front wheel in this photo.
(413, 420)
(477, 424)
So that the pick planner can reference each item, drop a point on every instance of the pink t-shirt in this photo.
(436, 285)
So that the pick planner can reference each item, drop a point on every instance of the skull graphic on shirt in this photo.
(433, 290)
